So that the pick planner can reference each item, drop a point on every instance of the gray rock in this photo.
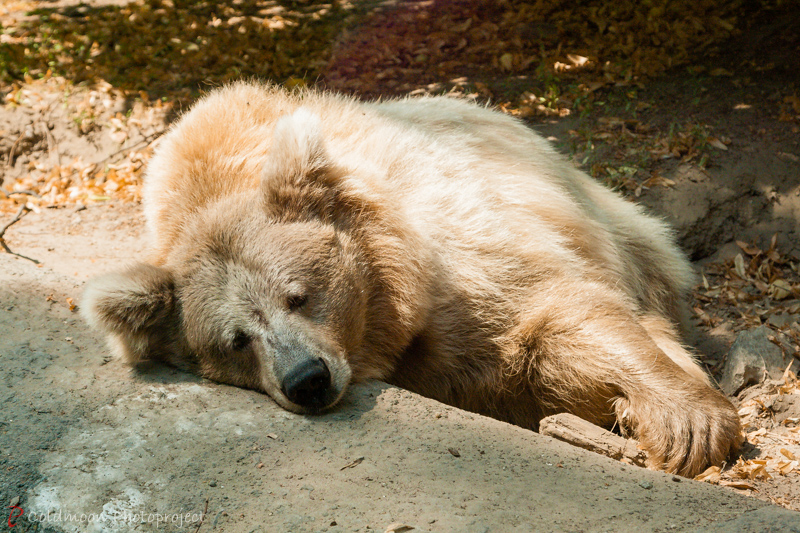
(752, 359)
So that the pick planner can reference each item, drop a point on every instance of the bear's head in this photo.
(265, 289)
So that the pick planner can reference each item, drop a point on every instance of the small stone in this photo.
(646, 484)
(212, 484)
(752, 358)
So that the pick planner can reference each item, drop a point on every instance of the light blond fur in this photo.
(443, 247)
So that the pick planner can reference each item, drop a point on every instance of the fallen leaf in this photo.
(397, 527)
(454, 452)
(738, 266)
(710, 475)
(780, 289)
(507, 61)
(741, 485)
(119, 136)
(577, 60)
(789, 455)
(721, 72)
(353, 464)
(716, 143)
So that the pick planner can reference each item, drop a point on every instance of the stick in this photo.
(10, 159)
(9, 193)
(52, 145)
(202, 517)
(146, 140)
(578, 432)
(23, 210)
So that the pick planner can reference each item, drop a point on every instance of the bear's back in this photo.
(489, 196)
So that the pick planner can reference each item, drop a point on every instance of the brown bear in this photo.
(303, 241)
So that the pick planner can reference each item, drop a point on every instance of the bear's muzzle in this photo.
(308, 384)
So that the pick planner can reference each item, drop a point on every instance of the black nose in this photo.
(308, 383)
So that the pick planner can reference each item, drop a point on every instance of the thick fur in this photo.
(431, 243)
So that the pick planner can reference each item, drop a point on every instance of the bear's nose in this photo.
(308, 383)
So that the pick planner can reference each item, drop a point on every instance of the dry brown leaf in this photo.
(780, 289)
(398, 527)
(353, 464)
(716, 143)
(119, 136)
(749, 249)
(753, 437)
(507, 61)
(721, 72)
(740, 485)
(738, 266)
(789, 455)
(709, 475)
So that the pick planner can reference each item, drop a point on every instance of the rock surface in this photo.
(752, 359)
(91, 445)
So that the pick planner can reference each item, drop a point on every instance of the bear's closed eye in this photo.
(241, 341)
(295, 302)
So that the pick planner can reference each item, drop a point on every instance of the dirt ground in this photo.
(712, 145)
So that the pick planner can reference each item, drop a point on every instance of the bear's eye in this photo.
(296, 301)
(241, 341)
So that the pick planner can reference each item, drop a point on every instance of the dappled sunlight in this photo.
(172, 46)
(586, 45)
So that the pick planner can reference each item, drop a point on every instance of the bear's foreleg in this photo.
(582, 349)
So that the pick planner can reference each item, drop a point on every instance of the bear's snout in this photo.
(308, 384)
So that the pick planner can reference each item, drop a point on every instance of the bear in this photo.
(302, 241)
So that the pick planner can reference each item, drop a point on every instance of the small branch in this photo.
(9, 193)
(578, 432)
(23, 210)
(202, 517)
(146, 140)
(52, 145)
(10, 159)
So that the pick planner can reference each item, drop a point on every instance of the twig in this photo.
(10, 159)
(23, 210)
(52, 145)
(202, 517)
(9, 193)
(146, 140)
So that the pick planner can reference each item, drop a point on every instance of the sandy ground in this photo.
(130, 449)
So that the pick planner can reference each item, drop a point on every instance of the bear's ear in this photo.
(133, 307)
(298, 150)
(299, 180)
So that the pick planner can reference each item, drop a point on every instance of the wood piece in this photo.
(578, 432)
